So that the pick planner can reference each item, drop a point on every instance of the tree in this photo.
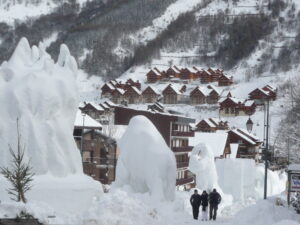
(20, 174)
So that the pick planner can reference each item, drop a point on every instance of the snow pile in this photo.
(243, 179)
(202, 164)
(43, 95)
(146, 164)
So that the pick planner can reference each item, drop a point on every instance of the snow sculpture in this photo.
(43, 95)
(202, 164)
(146, 164)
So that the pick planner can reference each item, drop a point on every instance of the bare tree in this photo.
(20, 174)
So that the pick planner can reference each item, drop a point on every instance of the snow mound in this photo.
(42, 94)
(146, 164)
(243, 179)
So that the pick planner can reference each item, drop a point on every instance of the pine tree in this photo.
(20, 174)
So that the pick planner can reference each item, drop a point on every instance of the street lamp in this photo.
(81, 143)
(266, 145)
(249, 125)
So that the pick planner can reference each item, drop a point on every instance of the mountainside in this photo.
(108, 38)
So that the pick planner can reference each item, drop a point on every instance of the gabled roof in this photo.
(235, 100)
(205, 91)
(175, 89)
(209, 73)
(226, 76)
(176, 69)
(120, 91)
(243, 136)
(213, 87)
(249, 103)
(209, 123)
(260, 90)
(192, 69)
(109, 85)
(95, 106)
(153, 89)
(136, 90)
(105, 106)
(85, 121)
(110, 103)
(216, 141)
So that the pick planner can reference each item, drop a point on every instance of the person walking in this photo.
(204, 204)
(214, 199)
(195, 201)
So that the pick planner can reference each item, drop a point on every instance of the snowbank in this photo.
(43, 95)
(243, 179)
(146, 164)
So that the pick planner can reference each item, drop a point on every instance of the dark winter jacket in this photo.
(214, 198)
(204, 199)
(195, 200)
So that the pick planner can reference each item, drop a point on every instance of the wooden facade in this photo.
(197, 96)
(171, 95)
(249, 145)
(225, 80)
(93, 110)
(132, 95)
(107, 89)
(117, 96)
(236, 107)
(99, 155)
(261, 95)
(153, 76)
(206, 126)
(150, 95)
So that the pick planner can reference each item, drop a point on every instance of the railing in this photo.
(182, 164)
(182, 149)
(184, 181)
(183, 133)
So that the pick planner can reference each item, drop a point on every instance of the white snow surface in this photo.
(44, 96)
(146, 164)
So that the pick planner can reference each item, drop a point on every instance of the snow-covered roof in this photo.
(216, 141)
(204, 90)
(176, 69)
(105, 106)
(206, 71)
(121, 91)
(249, 134)
(249, 140)
(234, 149)
(153, 89)
(110, 103)
(96, 106)
(84, 120)
(249, 103)
(213, 87)
(193, 70)
(209, 123)
(110, 86)
(175, 88)
(216, 121)
(81, 104)
(136, 90)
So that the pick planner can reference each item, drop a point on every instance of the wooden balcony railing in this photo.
(184, 181)
(182, 149)
(183, 133)
(182, 164)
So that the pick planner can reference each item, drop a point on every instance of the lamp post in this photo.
(249, 125)
(81, 143)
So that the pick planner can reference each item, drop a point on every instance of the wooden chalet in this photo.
(236, 107)
(107, 89)
(171, 94)
(197, 73)
(132, 83)
(206, 77)
(225, 80)
(93, 110)
(188, 74)
(213, 96)
(150, 95)
(211, 125)
(173, 72)
(156, 107)
(133, 95)
(249, 144)
(261, 95)
(153, 75)
(117, 96)
(215, 74)
(198, 96)
(175, 130)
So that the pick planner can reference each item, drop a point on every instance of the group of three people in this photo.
(213, 199)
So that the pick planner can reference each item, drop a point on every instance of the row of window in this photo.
(179, 142)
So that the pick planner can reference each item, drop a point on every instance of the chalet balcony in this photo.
(182, 164)
(184, 181)
(182, 149)
(183, 133)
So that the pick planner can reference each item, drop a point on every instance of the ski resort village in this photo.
(156, 112)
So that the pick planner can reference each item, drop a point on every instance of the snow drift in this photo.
(43, 94)
(146, 164)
